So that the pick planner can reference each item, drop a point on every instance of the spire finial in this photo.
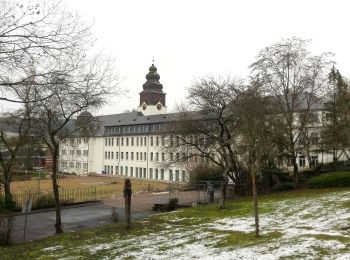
(153, 60)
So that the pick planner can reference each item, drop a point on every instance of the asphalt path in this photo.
(40, 224)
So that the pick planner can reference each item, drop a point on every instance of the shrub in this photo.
(330, 179)
(205, 173)
(283, 186)
(172, 205)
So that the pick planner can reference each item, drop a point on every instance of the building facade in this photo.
(127, 144)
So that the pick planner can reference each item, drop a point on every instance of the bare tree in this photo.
(205, 131)
(87, 88)
(43, 34)
(335, 134)
(15, 133)
(294, 79)
(256, 147)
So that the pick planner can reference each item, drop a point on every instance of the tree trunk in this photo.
(8, 195)
(58, 225)
(295, 171)
(255, 202)
(223, 190)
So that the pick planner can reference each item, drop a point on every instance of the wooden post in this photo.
(127, 196)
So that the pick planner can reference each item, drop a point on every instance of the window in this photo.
(71, 152)
(177, 157)
(109, 155)
(145, 138)
(137, 172)
(176, 175)
(105, 155)
(137, 156)
(112, 145)
(302, 161)
(151, 157)
(132, 141)
(137, 141)
(170, 174)
(141, 156)
(163, 156)
(132, 156)
(151, 141)
(64, 164)
(116, 170)
(122, 140)
(126, 156)
(157, 157)
(122, 155)
(71, 164)
(116, 155)
(145, 156)
(121, 170)
(112, 155)
(144, 173)
(150, 173)
(86, 153)
(85, 140)
(109, 141)
(85, 166)
(117, 141)
(78, 152)
(157, 140)
(111, 168)
(140, 172)
(156, 174)
(171, 157)
(126, 170)
(131, 171)
(183, 176)
(127, 141)
(141, 141)
(163, 139)
(162, 174)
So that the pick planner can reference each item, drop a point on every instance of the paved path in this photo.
(40, 224)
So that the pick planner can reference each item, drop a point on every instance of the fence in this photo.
(46, 199)
(197, 192)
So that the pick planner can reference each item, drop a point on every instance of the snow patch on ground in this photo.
(308, 226)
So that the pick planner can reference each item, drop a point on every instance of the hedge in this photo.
(330, 179)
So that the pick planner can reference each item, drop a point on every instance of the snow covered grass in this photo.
(308, 224)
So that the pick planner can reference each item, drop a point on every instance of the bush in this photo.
(205, 173)
(330, 179)
(172, 205)
(283, 186)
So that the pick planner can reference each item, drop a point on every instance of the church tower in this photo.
(152, 97)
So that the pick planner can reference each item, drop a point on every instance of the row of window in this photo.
(132, 141)
(134, 129)
(142, 156)
(139, 172)
(77, 152)
(73, 141)
(76, 165)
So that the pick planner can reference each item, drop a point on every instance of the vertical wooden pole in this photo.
(127, 196)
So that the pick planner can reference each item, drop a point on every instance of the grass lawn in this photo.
(106, 186)
(295, 225)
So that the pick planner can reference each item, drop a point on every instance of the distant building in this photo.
(127, 144)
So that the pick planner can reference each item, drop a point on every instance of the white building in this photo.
(127, 144)
(130, 144)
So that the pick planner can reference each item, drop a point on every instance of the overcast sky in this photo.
(192, 38)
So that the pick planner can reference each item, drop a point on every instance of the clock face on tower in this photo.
(144, 106)
(159, 106)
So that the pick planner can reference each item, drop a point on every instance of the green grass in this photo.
(186, 226)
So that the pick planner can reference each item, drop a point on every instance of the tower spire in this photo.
(153, 60)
